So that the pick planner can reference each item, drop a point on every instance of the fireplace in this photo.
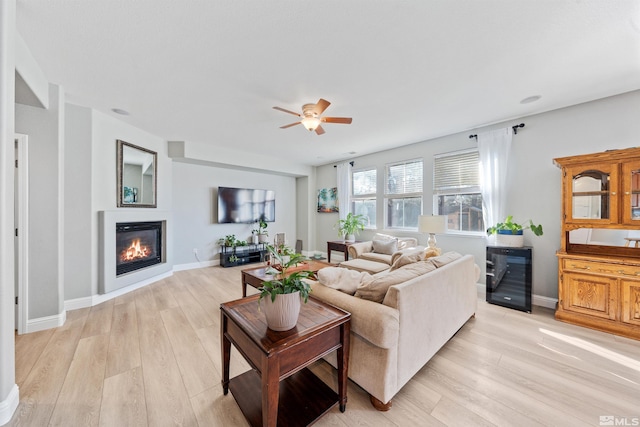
(138, 245)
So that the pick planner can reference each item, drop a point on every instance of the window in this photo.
(403, 194)
(456, 190)
(363, 199)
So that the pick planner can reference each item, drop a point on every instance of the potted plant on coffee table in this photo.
(350, 226)
(509, 233)
(282, 294)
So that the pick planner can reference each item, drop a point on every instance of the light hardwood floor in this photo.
(152, 358)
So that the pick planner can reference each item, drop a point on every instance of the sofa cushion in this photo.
(342, 279)
(445, 259)
(405, 259)
(380, 236)
(376, 289)
(403, 242)
(373, 256)
(387, 247)
(364, 265)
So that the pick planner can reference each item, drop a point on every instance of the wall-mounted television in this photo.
(244, 205)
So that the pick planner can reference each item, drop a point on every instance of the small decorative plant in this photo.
(262, 227)
(514, 227)
(351, 225)
(228, 241)
(261, 230)
(283, 281)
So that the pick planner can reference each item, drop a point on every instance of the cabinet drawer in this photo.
(596, 267)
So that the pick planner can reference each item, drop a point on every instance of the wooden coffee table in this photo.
(280, 359)
(257, 275)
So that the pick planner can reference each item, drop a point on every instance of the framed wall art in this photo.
(328, 200)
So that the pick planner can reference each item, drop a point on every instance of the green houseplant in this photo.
(262, 230)
(350, 226)
(510, 233)
(283, 293)
(229, 240)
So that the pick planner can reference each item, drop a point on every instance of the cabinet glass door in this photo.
(593, 194)
(631, 187)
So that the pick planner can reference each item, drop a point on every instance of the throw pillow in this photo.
(405, 259)
(380, 236)
(431, 252)
(445, 259)
(343, 279)
(376, 289)
(387, 247)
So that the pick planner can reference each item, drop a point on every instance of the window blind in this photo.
(404, 178)
(364, 182)
(456, 172)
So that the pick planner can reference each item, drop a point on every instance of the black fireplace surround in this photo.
(138, 245)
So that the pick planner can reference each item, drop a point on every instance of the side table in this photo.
(339, 246)
(280, 359)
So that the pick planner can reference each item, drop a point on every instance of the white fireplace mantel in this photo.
(108, 281)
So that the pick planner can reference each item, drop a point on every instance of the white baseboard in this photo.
(538, 300)
(194, 265)
(84, 302)
(9, 405)
(48, 322)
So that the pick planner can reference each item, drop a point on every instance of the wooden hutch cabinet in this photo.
(599, 256)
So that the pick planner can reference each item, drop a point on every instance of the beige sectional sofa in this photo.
(377, 255)
(392, 340)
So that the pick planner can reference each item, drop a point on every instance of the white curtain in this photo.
(344, 189)
(493, 149)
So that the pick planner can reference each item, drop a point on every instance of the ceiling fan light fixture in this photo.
(310, 123)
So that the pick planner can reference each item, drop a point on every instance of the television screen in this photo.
(243, 205)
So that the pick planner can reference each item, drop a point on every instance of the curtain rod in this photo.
(515, 130)
(351, 163)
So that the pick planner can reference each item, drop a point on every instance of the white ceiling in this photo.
(406, 71)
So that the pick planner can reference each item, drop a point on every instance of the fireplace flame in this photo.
(135, 251)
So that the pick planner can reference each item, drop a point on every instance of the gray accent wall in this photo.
(105, 131)
(45, 129)
(77, 220)
(195, 190)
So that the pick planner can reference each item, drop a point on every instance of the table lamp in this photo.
(432, 224)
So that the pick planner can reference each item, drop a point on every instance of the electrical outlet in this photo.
(195, 251)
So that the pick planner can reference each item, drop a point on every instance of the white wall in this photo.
(534, 189)
(195, 208)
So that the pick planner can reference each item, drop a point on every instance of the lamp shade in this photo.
(311, 123)
(432, 224)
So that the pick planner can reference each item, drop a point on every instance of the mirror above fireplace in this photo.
(137, 176)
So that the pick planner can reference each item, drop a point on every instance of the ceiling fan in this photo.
(311, 116)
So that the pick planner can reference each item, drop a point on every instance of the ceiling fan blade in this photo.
(321, 106)
(286, 111)
(344, 120)
(319, 130)
(289, 125)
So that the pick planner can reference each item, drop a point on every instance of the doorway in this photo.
(21, 235)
